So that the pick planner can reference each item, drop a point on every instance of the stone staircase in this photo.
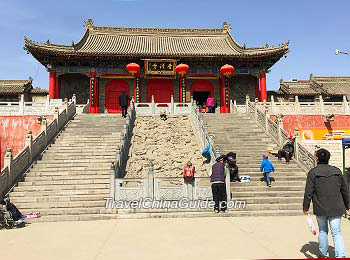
(240, 134)
(72, 178)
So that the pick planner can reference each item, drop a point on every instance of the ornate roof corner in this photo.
(281, 81)
(48, 42)
(244, 47)
(89, 23)
(226, 26)
(30, 79)
(311, 76)
(266, 46)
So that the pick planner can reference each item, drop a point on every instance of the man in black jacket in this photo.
(327, 188)
(286, 152)
(124, 102)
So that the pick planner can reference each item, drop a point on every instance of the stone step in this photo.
(277, 183)
(277, 178)
(272, 200)
(72, 165)
(67, 172)
(68, 211)
(63, 182)
(66, 177)
(77, 160)
(42, 206)
(264, 188)
(61, 193)
(243, 194)
(62, 187)
(53, 198)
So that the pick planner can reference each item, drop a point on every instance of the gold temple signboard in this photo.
(160, 67)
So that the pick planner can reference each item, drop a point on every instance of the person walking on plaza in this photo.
(286, 151)
(326, 188)
(267, 167)
(210, 104)
(124, 102)
(218, 185)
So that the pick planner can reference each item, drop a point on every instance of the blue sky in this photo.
(313, 28)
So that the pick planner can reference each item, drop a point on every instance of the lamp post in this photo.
(134, 70)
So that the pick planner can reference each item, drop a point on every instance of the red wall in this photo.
(13, 130)
(314, 122)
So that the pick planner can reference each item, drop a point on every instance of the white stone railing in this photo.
(29, 108)
(304, 158)
(295, 108)
(122, 154)
(171, 108)
(161, 188)
(14, 168)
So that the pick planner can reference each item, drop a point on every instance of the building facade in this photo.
(332, 89)
(95, 67)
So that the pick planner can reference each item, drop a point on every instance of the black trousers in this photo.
(124, 110)
(284, 154)
(219, 195)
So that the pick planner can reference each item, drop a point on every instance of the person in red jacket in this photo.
(189, 170)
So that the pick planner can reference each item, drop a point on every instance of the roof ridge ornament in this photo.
(226, 27)
(89, 23)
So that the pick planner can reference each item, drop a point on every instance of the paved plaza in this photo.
(170, 238)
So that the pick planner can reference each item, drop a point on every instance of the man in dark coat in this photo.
(218, 185)
(124, 102)
(327, 188)
(286, 152)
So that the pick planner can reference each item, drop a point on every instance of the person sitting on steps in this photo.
(286, 151)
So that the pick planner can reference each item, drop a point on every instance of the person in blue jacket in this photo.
(267, 167)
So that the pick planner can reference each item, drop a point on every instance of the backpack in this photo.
(189, 173)
(206, 152)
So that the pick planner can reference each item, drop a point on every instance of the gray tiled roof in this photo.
(156, 42)
(39, 91)
(13, 87)
(331, 86)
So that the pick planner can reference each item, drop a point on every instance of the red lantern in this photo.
(182, 69)
(227, 70)
(133, 68)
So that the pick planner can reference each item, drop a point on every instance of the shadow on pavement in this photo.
(310, 250)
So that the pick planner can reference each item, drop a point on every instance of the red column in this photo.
(92, 92)
(97, 82)
(52, 84)
(57, 89)
(180, 92)
(257, 90)
(263, 92)
(222, 95)
(227, 95)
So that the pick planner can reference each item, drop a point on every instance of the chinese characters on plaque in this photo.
(160, 67)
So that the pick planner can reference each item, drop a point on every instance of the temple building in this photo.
(332, 89)
(12, 90)
(95, 68)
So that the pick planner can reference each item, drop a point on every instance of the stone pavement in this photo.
(171, 238)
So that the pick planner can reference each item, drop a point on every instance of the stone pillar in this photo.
(228, 184)
(247, 100)
(172, 105)
(52, 84)
(74, 99)
(65, 105)
(345, 105)
(47, 104)
(21, 105)
(43, 128)
(297, 109)
(296, 146)
(257, 88)
(321, 105)
(279, 128)
(263, 93)
(112, 182)
(29, 143)
(153, 106)
(151, 181)
(256, 110)
(8, 161)
(267, 115)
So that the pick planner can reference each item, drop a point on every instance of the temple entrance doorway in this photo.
(200, 90)
(114, 89)
(161, 89)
